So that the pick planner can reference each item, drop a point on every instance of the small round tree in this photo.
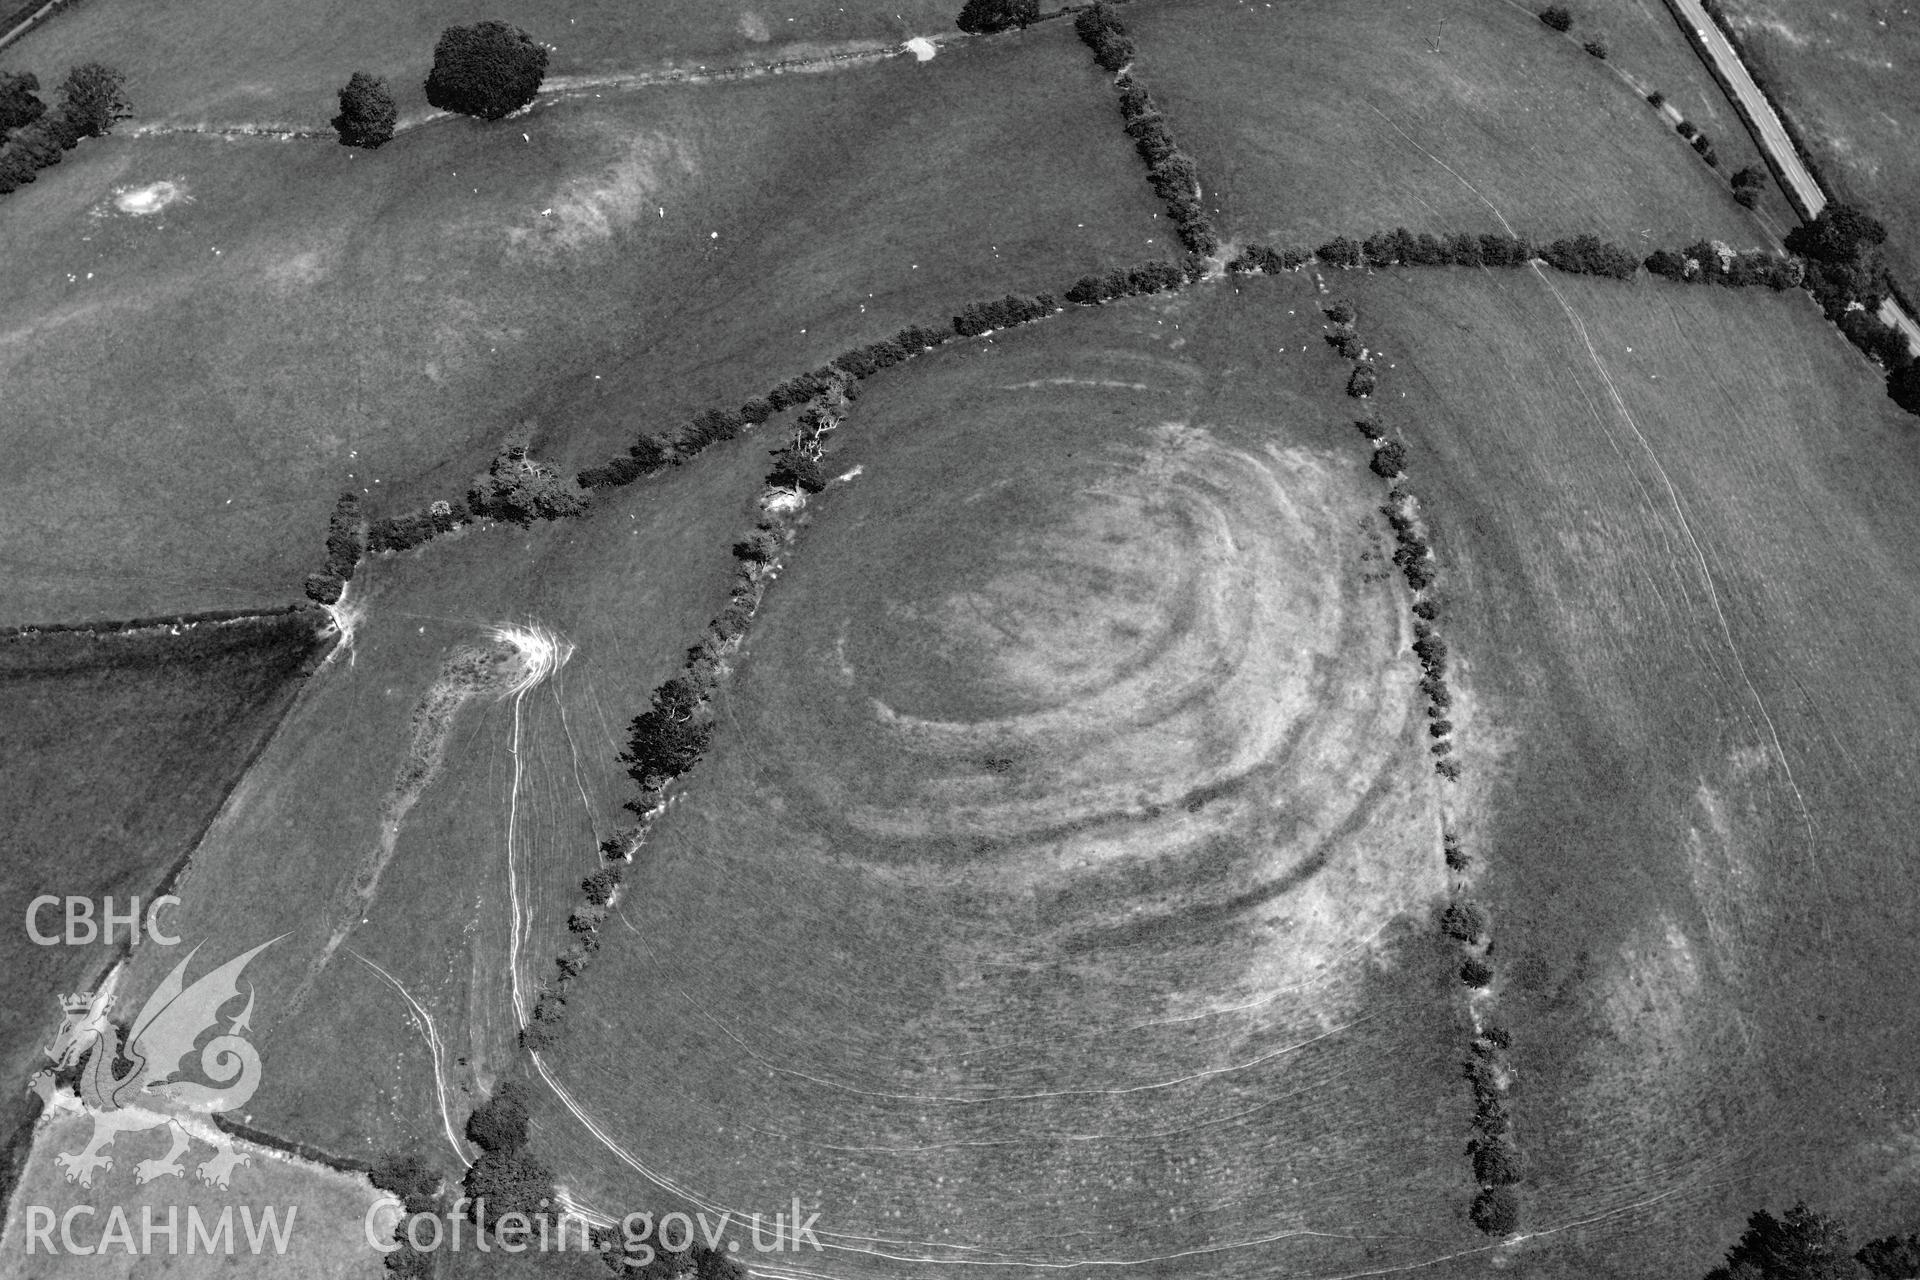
(980, 17)
(367, 114)
(490, 70)
(1496, 1211)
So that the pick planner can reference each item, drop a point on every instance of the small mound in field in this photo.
(151, 199)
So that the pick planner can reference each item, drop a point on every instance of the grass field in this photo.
(326, 1237)
(194, 61)
(1315, 119)
(189, 389)
(347, 1066)
(1056, 893)
(120, 750)
(1688, 616)
(1846, 82)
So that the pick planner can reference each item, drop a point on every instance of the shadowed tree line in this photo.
(89, 101)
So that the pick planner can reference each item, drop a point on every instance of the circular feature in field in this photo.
(1029, 910)
(150, 199)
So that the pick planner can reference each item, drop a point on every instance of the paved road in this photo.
(1770, 134)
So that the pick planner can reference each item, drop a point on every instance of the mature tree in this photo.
(1464, 921)
(490, 70)
(503, 1182)
(1339, 252)
(1841, 233)
(367, 114)
(410, 1176)
(93, 99)
(500, 1123)
(1389, 459)
(1665, 262)
(1891, 1257)
(1903, 385)
(1803, 1245)
(1557, 17)
(1596, 48)
(19, 100)
(1496, 1210)
(519, 489)
(979, 17)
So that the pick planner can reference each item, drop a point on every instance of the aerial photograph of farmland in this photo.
(918, 639)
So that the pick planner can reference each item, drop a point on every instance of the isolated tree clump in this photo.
(981, 17)
(1557, 17)
(490, 70)
(367, 114)
(1748, 183)
(1596, 48)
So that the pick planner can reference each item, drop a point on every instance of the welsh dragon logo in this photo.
(147, 1096)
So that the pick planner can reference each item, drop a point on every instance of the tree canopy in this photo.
(1841, 233)
(519, 489)
(367, 114)
(1802, 1245)
(93, 99)
(979, 17)
(490, 70)
(19, 100)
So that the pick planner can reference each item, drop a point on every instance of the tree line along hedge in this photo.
(1172, 173)
(673, 735)
(92, 100)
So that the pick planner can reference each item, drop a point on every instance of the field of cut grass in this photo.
(189, 389)
(347, 1065)
(1844, 77)
(119, 751)
(1688, 617)
(326, 1239)
(1057, 890)
(194, 61)
(1314, 119)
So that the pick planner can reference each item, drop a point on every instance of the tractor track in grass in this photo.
(575, 88)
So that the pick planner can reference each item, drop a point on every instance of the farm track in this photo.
(574, 88)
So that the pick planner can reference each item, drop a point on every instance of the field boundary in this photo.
(1801, 180)
(30, 15)
(1488, 1068)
